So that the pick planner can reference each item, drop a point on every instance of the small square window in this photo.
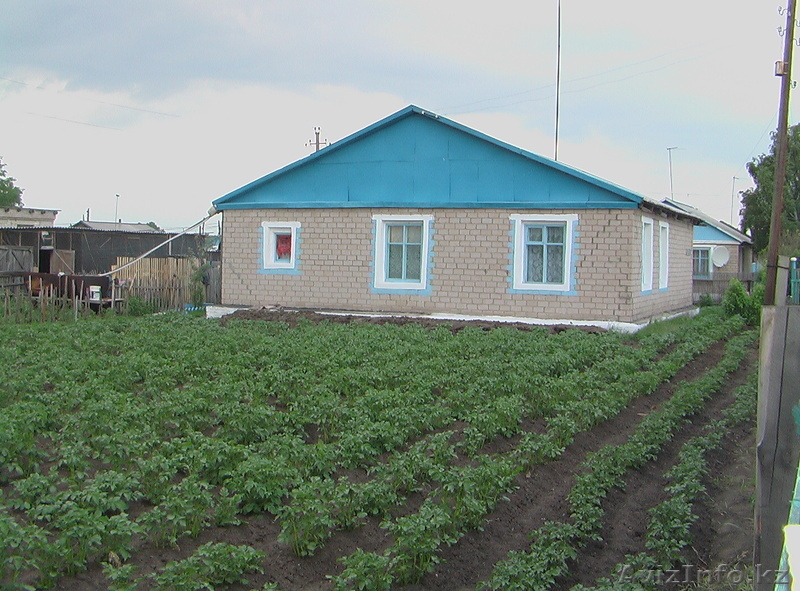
(279, 245)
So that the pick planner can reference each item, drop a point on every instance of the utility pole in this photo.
(777, 442)
(784, 70)
(316, 141)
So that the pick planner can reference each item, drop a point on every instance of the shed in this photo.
(420, 214)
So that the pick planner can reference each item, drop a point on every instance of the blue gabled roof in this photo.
(415, 158)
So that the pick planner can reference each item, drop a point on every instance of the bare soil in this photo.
(723, 531)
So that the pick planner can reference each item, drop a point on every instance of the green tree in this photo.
(757, 202)
(10, 194)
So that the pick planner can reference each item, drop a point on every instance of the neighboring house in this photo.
(419, 214)
(27, 217)
(720, 253)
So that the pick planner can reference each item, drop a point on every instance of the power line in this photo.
(454, 109)
(91, 100)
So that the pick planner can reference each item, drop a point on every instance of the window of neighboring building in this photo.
(542, 252)
(402, 251)
(663, 255)
(701, 263)
(279, 244)
(647, 254)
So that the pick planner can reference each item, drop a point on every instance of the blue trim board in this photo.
(432, 205)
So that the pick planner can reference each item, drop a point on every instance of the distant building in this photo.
(117, 226)
(27, 217)
(720, 253)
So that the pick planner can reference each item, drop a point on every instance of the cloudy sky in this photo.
(173, 103)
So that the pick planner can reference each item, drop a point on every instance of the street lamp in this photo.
(116, 211)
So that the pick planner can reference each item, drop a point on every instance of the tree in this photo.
(757, 202)
(10, 194)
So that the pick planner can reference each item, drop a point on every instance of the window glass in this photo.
(555, 264)
(283, 247)
(396, 234)
(555, 234)
(535, 267)
(414, 233)
(535, 233)
(395, 270)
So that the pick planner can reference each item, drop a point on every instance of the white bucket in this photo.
(94, 292)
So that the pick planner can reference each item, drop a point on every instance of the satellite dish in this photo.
(720, 256)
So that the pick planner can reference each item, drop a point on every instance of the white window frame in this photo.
(519, 222)
(380, 255)
(663, 255)
(269, 240)
(647, 254)
(707, 250)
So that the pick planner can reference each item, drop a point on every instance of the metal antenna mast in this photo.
(558, 76)
(669, 154)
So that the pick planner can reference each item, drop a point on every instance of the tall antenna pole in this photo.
(734, 217)
(783, 69)
(669, 155)
(558, 76)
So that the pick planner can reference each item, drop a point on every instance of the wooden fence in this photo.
(163, 283)
(716, 285)
(21, 305)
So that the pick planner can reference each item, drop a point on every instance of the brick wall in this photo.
(471, 265)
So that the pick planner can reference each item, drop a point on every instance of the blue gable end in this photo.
(417, 159)
(707, 233)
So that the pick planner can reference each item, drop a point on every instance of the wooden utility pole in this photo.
(777, 441)
(784, 70)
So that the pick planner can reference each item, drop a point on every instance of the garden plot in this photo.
(172, 452)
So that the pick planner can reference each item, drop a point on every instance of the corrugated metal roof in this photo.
(115, 226)
(723, 227)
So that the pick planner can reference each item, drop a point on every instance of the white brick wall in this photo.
(471, 261)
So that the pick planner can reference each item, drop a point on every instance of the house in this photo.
(420, 214)
(27, 217)
(720, 253)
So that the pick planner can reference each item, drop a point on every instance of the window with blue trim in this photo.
(542, 252)
(402, 252)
